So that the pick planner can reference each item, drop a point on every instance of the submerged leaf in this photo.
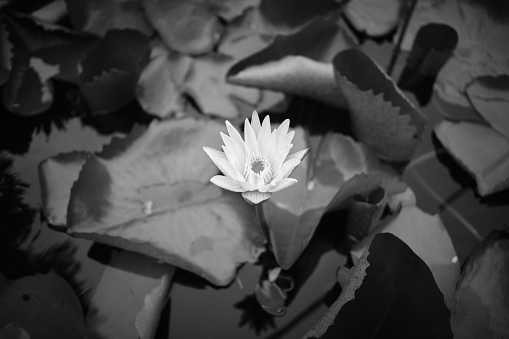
(390, 294)
(490, 97)
(482, 46)
(427, 237)
(382, 117)
(301, 206)
(129, 297)
(482, 303)
(150, 193)
(481, 150)
(43, 304)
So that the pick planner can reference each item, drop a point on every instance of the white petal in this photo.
(249, 135)
(255, 180)
(226, 183)
(231, 144)
(284, 183)
(255, 122)
(232, 159)
(285, 170)
(298, 155)
(281, 131)
(246, 185)
(270, 148)
(220, 160)
(280, 157)
(255, 197)
(234, 134)
(264, 136)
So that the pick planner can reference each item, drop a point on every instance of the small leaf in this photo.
(481, 150)
(426, 235)
(128, 299)
(490, 97)
(150, 193)
(394, 291)
(43, 304)
(481, 298)
(373, 17)
(431, 49)
(382, 117)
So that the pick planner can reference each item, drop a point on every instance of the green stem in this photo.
(262, 222)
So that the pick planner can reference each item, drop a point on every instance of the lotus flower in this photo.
(259, 165)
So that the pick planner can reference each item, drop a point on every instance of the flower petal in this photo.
(298, 155)
(249, 135)
(271, 150)
(234, 134)
(236, 150)
(280, 157)
(281, 132)
(220, 160)
(284, 183)
(255, 122)
(285, 170)
(255, 180)
(226, 183)
(264, 136)
(246, 185)
(255, 197)
(232, 159)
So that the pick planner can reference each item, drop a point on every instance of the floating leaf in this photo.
(382, 117)
(161, 84)
(431, 48)
(482, 45)
(113, 66)
(427, 237)
(43, 304)
(482, 305)
(481, 150)
(490, 97)
(394, 291)
(375, 18)
(100, 16)
(206, 84)
(130, 296)
(150, 193)
(294, 213)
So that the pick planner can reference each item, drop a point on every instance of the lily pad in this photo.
(427, 237)
(382, 117)
(150, 193)
(294, 213)
(394, 291)
(43, 304)
(481, 150)
(130, 296)
(482, 304)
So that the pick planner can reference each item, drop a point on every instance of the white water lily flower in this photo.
(259, 165)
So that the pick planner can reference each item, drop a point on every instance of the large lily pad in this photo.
(390, 294)
(150, 193)
(294, 213)
(427, 237)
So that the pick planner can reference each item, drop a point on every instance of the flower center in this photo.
(258, 165)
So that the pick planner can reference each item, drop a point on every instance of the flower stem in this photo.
(262, 222)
